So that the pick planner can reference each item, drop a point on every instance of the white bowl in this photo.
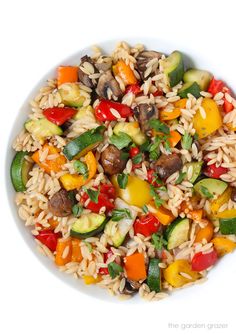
(194, 57)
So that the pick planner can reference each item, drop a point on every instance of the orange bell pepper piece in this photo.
(63, 251)
(166, 116)
(67, 74)
(49, 165)
(73, 181)
(180, 103)
(223, 245)
(205, 233)
(174, 138)
(196, 214)
(76, 251)
(135, 267)
(53, 223)
(124, 72)
(164, 215)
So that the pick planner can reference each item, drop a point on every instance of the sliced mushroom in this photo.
(104, 63)
(233, 194)
(144, 113)
(131, 286)
(112, 160)
(142, 60)
(166, 165)
(84, 77)
(61, 203)
(108, 86)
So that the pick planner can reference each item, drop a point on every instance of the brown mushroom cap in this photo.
(107, 82)
(60, 204)
(142, 60)
(112, 160)
(84, 77)
(144, 113)
(166, 165)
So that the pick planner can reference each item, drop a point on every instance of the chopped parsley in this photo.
(145, 209)
(180, 177)
(122, 180)
(137, 158)
(77, 210)
(114, 269)
(186, 141)
(119, 214)
(157, 200)
(158, 241)
(81, 168)
(159, 126)
(93, 195)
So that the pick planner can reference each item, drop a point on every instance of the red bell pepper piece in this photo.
(212, 171)
(157, 93)
(134, 88)
(202, 261)
(48, 238)
(59, 115)
(107, 192)
(151, 177)
(217, 86)
(146, 225)
(104, 271)
(103, 110)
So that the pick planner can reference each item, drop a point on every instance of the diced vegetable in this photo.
(88, 225)
(42, 128)
(84, 143)
(117, 230)
(170, 115)
(227, 214)
(174, 138)
(201, 77)
(205, 233)
(125, 72)
(202, 261)
(63, 251)
(228, 226)
(130, 195)
(221, 200)
(48, 238)
(196, 214)
(103, 111)
(20, 169)
(59, 115)
(73, 181)
(181, 104)
(135, 89)
(49, 165)
(164, 215)
(71, 95)
(223, 245)
(211, 122)
(214, 171)
(173, 273)
(173, 67)
(190, 88)
(146, 225)
(132, 129)
(89, 280)
(135, 267)
(154, 275)
(76, 251)
(67, 74)
(177, 233)
(208, 187)
(103, 201)
(83, 112)
(196, 168)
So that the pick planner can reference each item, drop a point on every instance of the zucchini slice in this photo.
(154, 275)
(201, 77)
(228, 226)
(173, 67)
(42, 128)
(88, 225)
(177, 233)
(71, 95)
(197, 168)
(84, 143)
(192, 88)
(20, 169)
(208, 187)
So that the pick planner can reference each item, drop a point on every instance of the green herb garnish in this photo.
(89, 246)
(159, 126)
(158, 241)
(206, 192)
(122, 180)
(114, 269)
(81, 168)
(93, 195)
(186, 141)
(145, 209)
(180, 177)
(121, 140)
(138, 158)
(119, 214)
(77, 210)
(157, 200)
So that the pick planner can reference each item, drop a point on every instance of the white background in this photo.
(34, 36)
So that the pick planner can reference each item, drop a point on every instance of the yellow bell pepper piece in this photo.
(91, 280)
(230, 126)
(73, 181)
(136, 193)
(125, 72)
(221, 200)
(132, 129)
(213, 120)
(172, 273)
(227, 214)
(223, 245)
